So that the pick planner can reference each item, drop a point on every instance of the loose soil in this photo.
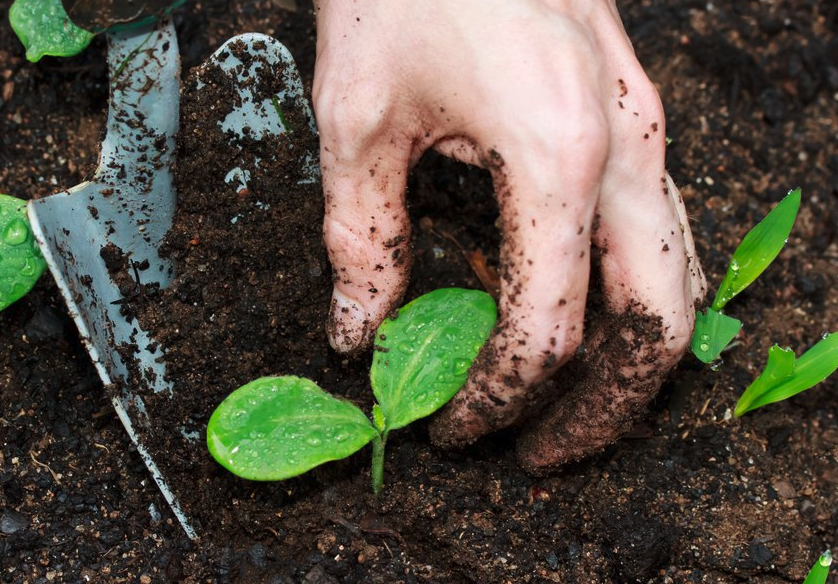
(689, 496)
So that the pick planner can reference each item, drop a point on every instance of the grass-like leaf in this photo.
(758, 249)
(785, 376)
(275, 428)
(819, 572)
(45, 29)
(713, 332)
(21, 262)
(423, 355)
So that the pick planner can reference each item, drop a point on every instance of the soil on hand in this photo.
(690, 495)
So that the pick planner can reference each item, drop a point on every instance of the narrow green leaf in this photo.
(778, 369)
(819, 572)
(713, 332)
(758, 249)
(275, 428)
(21, 262)
(784, 376)
(422, 356)
(44, 29)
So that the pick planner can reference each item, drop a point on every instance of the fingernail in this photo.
(348, 322)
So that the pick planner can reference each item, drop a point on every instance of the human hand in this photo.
(549, 97)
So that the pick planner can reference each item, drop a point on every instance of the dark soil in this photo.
(691, 495)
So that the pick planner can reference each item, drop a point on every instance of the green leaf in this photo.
(422, 356)
(44, 29)
(819, 572)
(785, 376)
(758, 249)
(713, 332)
(21, 262)
(275, 428)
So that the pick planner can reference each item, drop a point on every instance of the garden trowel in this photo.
(101, 238)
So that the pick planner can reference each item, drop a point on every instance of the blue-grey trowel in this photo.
(125, 210)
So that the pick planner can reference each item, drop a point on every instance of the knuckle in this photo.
(579, 140)
(584, 132)
(648, 97)
(344, 244)
(349, 117)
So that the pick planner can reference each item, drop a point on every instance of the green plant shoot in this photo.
(785, 376)
(713, 329)
(21, 262)
(275, 428)
(44, 28)
(713, 332)
(819, 572)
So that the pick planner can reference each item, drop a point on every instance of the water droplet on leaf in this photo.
(28, 269)
(461, 366)
(406, 348)
(16, 232)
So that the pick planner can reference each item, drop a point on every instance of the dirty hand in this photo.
(549, 97)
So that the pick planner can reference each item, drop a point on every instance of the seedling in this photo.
(714, 329)
(785, 375)
(819, 572)
(21, 262)
(44, 28)
(276, 428)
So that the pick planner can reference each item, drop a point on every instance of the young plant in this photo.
(713, 329)
(276, 428)
(21, 262)
(819, 572)
(44, 28)
(785, 375)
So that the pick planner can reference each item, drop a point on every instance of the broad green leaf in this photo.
(819, 572)
(44, 29)
(275, 428)
(713, 332)
(21, 262)
(758, 249)
(422, 356)
(785, 376)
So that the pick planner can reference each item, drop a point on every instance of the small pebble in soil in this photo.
(11, 522)
(317, 575)
(574, 553)
(47, 323)
(760, 554)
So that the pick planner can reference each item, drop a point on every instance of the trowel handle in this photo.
(142, 121)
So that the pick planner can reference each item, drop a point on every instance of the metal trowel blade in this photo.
(125, 211)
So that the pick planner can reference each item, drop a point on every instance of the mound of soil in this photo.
(691, 495)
